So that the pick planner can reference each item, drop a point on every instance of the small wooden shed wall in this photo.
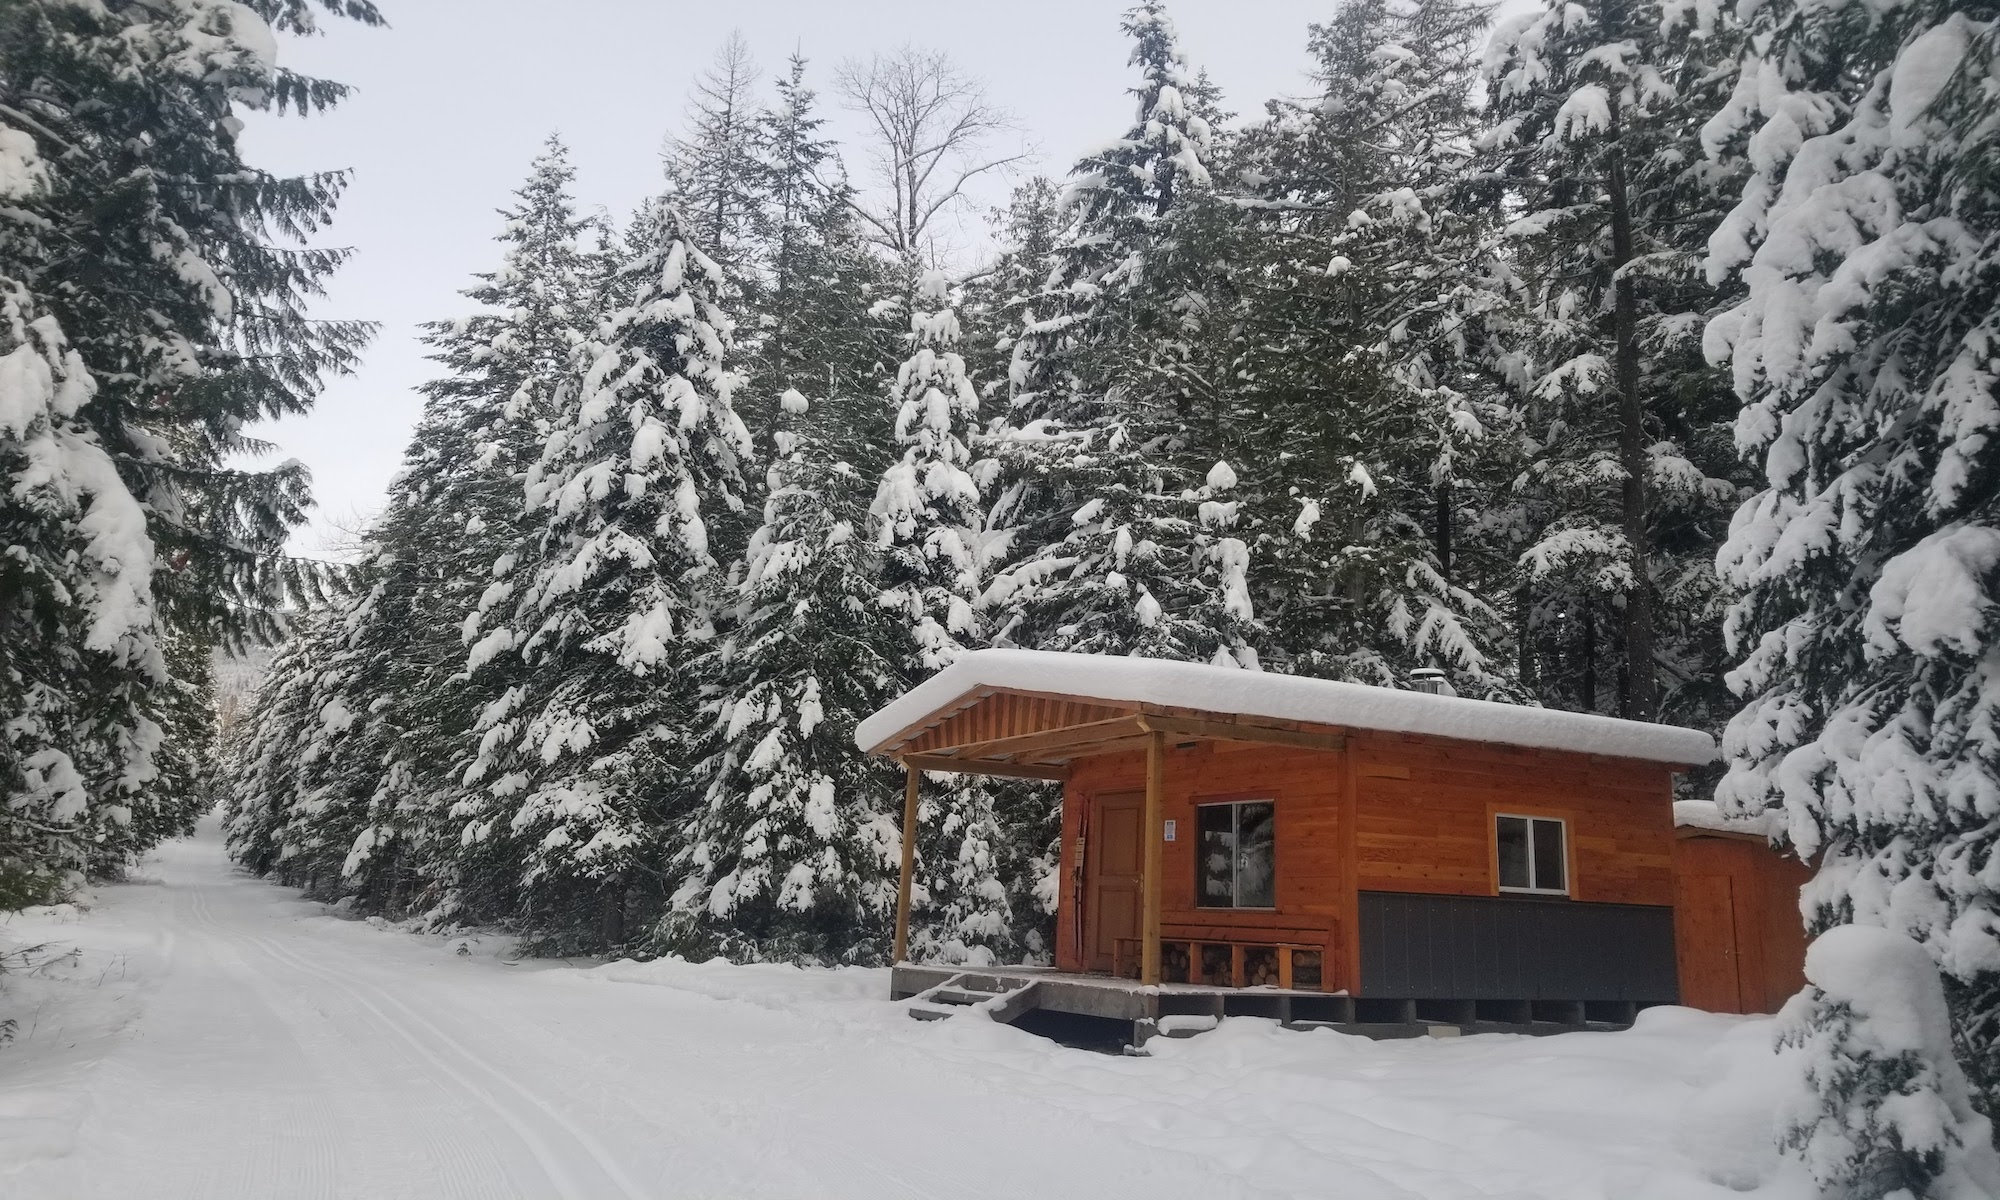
(1740, 940)
(1391, 813)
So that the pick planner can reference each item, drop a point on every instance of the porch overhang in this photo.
(1048, 752)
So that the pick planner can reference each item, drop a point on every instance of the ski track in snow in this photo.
(219, 1039)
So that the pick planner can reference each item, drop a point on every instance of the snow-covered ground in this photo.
(212, 1036)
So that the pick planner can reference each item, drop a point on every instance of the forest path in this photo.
(204, 1034)
(263, 1050)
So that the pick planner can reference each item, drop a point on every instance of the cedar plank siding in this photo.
(1391, 813)
(1009, 714)
(1739, 936)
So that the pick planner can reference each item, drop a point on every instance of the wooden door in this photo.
(1705, 931)
(1112, 868)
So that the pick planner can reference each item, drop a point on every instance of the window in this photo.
(1532, 855)
(1235, 855)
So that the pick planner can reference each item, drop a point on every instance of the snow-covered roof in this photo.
(1240, 692)
(1706, 814)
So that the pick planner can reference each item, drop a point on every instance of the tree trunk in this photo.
(1587, 686)
(398, 879)
(1444, 506)
(614, 912)
(1644, 687)
(1524, 608)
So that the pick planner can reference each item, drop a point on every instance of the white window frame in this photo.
(1569, 868)
(1235, 868)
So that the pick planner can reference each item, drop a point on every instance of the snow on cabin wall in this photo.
(1420, 821)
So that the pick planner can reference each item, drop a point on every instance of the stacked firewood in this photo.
(1260, 966)
(1174, 962)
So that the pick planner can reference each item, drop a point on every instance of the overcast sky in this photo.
(455, 97)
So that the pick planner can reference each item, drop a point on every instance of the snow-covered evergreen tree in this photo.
(458, 526)
(1884, 1110)
(1150, 564)
(263, 752)
(1868, 242)
(714, 169)
(1375, 445)
(928, 511)
(303, 765)
(930, 522)
(374, 807)
(1025, 234)
(1126, 547)
(1626, 479)
(146, 317)
(81, 666)
(793, 851)
(1117, 197)
(642, 462)
(205, 330)
(807, 318)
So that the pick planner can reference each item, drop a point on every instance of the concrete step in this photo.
(954, 995)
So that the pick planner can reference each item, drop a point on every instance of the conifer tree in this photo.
(930, 523)
(642, 463)
(303, 765)
(1026, 234)
(1884, 1109)
(810, 302)
(378, 817)
(714, 170)
(1150, 564)
(1128, 545)
(1595, 107)
(1375, 444)
(82, 674)
(151, 317)
(457, 513)
(264, 752)
(1117, 197)
(791, 853)
(205, 330)
(1864, 352)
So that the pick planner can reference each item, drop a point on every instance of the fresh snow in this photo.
(203, 1033)
(1283, 697)
(1707, 814)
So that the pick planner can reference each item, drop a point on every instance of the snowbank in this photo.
(1707, 814)
(1284, 697)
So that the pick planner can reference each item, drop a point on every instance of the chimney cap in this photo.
(1432, 680)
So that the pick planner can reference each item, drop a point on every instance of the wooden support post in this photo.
(1149, 927)
(914, 778)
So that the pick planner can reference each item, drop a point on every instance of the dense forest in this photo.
(1324, 391)
(1622, 356)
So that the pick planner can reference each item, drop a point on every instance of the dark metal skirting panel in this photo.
(1420, 947)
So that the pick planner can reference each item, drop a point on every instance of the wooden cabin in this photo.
(1739, 935)
(1426, 856)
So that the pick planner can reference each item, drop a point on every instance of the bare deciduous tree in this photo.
(929, 124)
